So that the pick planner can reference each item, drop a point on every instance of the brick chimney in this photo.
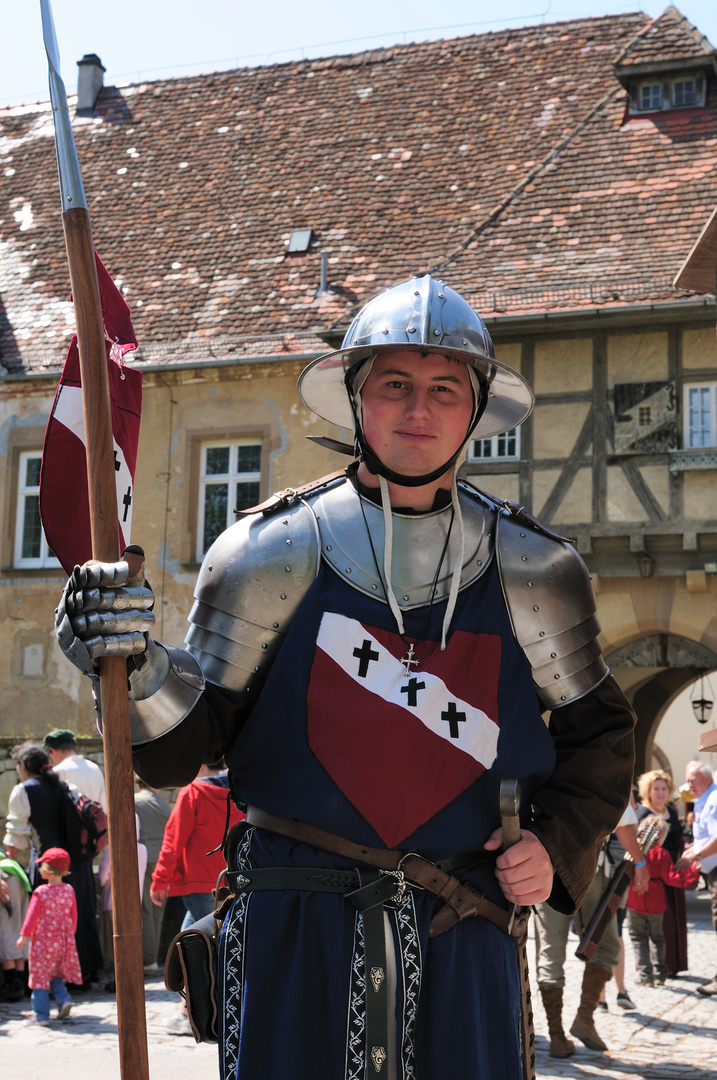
(89, 82)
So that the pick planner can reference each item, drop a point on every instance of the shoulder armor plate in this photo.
(251, 583)
(553, 611)
(417, 544)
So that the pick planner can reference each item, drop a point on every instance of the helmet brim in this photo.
(322, 386)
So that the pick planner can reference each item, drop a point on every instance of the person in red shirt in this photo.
(646, 909)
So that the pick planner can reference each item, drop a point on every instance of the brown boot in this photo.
(560, 1045)
(594, 978)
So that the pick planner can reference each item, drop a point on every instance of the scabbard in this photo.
(527, 1030)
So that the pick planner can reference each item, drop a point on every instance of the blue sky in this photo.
(155, 39)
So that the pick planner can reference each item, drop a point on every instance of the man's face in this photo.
(416, 409)
(697, 782)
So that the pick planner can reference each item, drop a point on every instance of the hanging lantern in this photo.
(702, 705)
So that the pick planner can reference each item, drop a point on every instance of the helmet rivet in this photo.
(412, 329)
(385, 331)
(416, 292)
(437, 333)
(465, 341)
(441, 296)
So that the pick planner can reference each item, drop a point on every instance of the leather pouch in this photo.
(190, 969)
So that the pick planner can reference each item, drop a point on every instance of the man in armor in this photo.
(372, 653)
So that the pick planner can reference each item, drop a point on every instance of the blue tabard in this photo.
(346, 737)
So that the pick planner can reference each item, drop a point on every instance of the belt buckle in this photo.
(413, 855)
(401, 882)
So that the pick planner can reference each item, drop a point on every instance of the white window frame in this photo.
(496, 444)
(708, 391)
(668, 92)
(27, 491)
(233, 478)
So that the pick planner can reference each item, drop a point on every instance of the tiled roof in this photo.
(505, 162)
(669, 38)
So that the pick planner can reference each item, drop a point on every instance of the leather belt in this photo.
(461, 900)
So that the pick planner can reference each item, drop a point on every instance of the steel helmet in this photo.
(427, 315)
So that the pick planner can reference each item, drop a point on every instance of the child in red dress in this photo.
(50, 925)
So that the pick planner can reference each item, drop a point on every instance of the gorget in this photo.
(352, 543)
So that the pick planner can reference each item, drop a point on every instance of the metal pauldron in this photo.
(552, 608)
(163, 692)
(249, 589)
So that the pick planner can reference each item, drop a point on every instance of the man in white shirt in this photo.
(703, 848)
(73, 768)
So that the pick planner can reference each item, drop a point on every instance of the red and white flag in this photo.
(64, 499)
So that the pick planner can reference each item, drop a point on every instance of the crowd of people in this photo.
(651, 840)
(56, 913)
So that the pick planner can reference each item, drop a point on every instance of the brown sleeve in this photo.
(588, 790)
(203, 737)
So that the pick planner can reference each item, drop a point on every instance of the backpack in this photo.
(84, 825)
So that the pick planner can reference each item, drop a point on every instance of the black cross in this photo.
(365, 654)
(453, 717)
(127, 500)
(118, 464)
(411, 690)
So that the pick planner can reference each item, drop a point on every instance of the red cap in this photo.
(57, 859)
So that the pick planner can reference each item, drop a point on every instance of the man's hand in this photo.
(524, 871)
(687, 859)
(105, 611)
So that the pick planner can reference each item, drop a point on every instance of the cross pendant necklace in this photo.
(408, 660)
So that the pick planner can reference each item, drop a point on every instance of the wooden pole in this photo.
(124, 872)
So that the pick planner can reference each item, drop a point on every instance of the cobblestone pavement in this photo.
(672, 1034)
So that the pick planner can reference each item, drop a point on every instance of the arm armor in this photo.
(249, 588)
(552, 609)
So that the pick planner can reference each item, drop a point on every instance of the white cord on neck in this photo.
(388, 552)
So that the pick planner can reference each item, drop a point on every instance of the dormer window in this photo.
(660, 94)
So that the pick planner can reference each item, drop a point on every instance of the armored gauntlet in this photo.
(105, 611)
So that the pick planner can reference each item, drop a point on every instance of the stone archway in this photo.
(670, 663)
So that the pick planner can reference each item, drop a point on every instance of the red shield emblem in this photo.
(401, 746)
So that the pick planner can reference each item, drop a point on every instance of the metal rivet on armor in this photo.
(553, 655)
(416, 292)
(441, 296)
(562, 697)
(405, 597)
(180, 671)
(541, 634)
(535, 607)
(530, 584)
(210, 567)
(524, 558)
(275, 625)
(285, 521)
(385, 331)
(348, 569)
(523, 535)
(329, 547)
(374, 587)
(263, 645)
(465, 341)
(479, 562)
(287, 541)
(288, 569)
(412, 329)
(556, 676)
(283, 596)
(256, 668)
(436, 333)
